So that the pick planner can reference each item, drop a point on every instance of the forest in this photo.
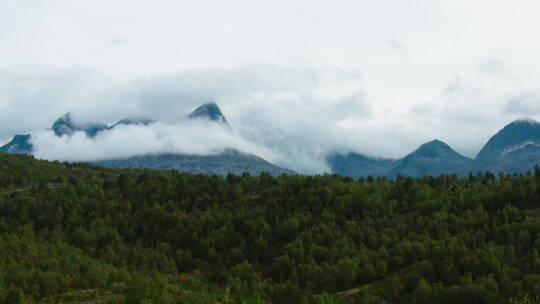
(79, 233)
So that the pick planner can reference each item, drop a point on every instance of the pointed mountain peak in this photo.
(64, 125)
(210, 111)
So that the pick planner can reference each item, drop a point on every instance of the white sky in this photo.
(457, 70)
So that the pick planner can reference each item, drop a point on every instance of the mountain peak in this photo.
(512, 135)
(529, 121)
(436, 143)
(64, 125)
(210, 111)
(435, 149)
(432, 158)
(20, 144)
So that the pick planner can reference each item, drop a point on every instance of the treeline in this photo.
(69, 231)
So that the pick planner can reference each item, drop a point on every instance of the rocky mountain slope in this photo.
(20, 144)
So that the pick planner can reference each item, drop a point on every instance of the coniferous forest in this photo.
(77, 233)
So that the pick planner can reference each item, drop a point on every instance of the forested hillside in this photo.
(75, 232)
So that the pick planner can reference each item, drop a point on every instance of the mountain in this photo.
(228, 161)
(359, 165)
(209, 111)
(222, 163)
(20, 144)
(513, 136)
(65, 126)
(514, 149)
(432, 158)
(140, 121)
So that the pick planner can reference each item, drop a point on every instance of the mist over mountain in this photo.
(210, 111)
(514, 149)
(196, 144)
(229, 161)
(66, 126)
(203, 142)
(133, 121)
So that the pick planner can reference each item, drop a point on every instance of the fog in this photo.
(293, 115)
(188, 137)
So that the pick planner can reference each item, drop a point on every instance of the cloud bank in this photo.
(186, 136)
(292, 115)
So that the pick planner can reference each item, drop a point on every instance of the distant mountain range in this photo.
(222, 163)
(514, 149)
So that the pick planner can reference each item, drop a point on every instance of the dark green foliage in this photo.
(73, 231)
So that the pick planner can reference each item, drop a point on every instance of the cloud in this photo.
(292, 115)
(474, 105)
(287, 114)
(118, 41)
(186, 136)
(492, 66)
(396, 46)
(527, 103)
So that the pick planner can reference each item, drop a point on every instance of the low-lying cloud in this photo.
(285, 114)
(188, 137)
(293, 115)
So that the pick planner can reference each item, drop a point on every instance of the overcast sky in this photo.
(296, 79)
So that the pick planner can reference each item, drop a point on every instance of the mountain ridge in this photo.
(221, 163)
(513, 149)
